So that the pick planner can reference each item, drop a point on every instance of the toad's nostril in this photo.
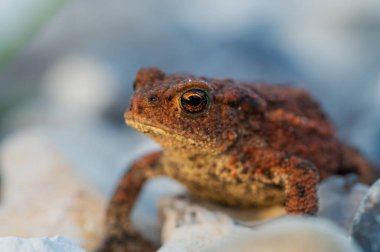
(135, 109)
(153, 99)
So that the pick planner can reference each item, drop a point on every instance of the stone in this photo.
(79, 87)
(192, 225)
(339, 198)
(43, 195)
(290, 234)
(366, 224)
(59, 181)
(42, 244)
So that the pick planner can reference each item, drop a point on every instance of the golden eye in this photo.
(194, 101)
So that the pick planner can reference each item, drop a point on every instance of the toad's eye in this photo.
(194, 101)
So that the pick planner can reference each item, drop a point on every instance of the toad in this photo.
(237, 144)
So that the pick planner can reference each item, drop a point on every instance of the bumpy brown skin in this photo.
(252, 145)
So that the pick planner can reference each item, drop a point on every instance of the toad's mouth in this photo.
(157, 133)
(146, 127)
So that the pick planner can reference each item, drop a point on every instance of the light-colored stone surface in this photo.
(79, 87)
(43, 195)
(366, 224)
(288, 235)
(185, 210)
(59, 180)
(191, 227)
(339, 199)
(42, 244)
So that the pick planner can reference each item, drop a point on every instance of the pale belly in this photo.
(233, 191)
(241, 195)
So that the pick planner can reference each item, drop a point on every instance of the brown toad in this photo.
(232, 143)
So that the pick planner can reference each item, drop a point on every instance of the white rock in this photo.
(59, 180)
(290, 234)
(79, 87)
(339, 199)
(43, 195)
(43, 244)
(190, 224)
(191, 227)
(366, 224)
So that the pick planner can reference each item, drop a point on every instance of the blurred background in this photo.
(67, 66)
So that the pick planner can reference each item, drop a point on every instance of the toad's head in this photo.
(188, 113)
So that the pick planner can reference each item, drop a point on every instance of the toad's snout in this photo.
(140, 106)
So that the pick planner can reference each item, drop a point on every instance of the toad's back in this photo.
(297, 124)
(293, 100)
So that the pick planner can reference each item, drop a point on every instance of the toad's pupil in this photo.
(194, 101)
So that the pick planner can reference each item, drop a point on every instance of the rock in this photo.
(79, 87)
(366, 224)
(290, 234)
(43, 244)
(188, 226)
(59, 180)
(339, 198)
(75, 90)
(43, 195)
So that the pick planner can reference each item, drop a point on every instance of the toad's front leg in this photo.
(298, 177)
(120, 234)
